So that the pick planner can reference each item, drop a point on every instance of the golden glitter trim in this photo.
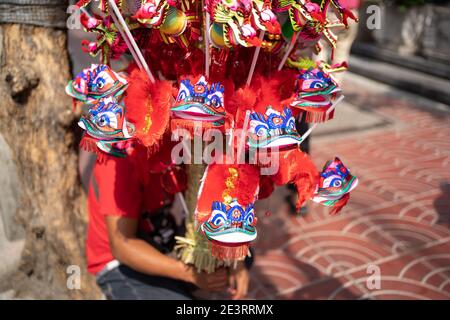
(230, 184)
(148, 119)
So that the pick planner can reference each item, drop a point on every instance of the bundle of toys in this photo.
(231, 66)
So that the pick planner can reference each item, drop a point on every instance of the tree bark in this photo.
(37, 122)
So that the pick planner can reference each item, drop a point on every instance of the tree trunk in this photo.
(38, 125)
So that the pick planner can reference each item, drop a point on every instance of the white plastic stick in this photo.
(207, 26)
(183, 203)
(230, 143)
(307, 133)
(130, 47)
(255, 58)
(126, 34)
(243, 134)
(86, 12)
(288, 51)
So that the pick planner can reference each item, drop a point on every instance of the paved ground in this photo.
(397, 219)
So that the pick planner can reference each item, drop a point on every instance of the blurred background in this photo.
(391, 131)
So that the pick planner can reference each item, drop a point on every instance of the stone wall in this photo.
(418, 31)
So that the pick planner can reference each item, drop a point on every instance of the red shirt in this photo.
(124, 187)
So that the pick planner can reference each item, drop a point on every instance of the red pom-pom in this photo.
(296, 167)
(148, 107)
(266, 187)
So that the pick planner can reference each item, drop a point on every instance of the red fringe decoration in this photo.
(229, 251)
(340, 204)
(147, 107)
(189, 126)
(318, 115)
(89, 144)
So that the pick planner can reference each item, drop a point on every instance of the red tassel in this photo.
(229, 251)
(89, 144)
(194, 130)
(340, 204)
(314, 115)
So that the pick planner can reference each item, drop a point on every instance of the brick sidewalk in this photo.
(397, 218)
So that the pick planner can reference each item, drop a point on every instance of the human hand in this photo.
(238, 280)
(216, 281)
